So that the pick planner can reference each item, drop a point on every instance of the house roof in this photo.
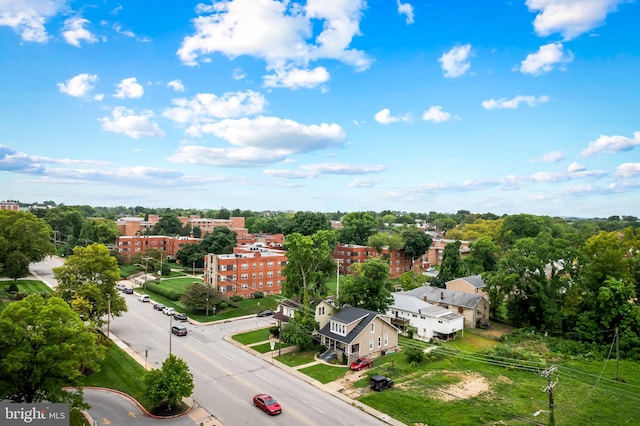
(474, 280)
(349, 315)
(409, 303)
(448, 297)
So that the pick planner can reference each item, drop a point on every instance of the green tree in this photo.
(357, 228)
(44, 348)
(221, 241)
(306, 223)
(483, 256)
(24, 232)
(169, 384)
(309, 264)
(105, 231)
(410, 280)
(451, 266)
(190, 254)
(196, 295)
(65, 221)
(16, 265)
(299, 329)
(416, 243)
(168, 225)
(380, 240)
(197, 232)
(88, 278)
(367, 287)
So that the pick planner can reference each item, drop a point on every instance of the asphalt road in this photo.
(43, 270)
(226, 377)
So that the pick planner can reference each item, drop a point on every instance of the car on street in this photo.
(127, 290)
(120, 286)
(267, 404)
(179, 316)
(378, 382)
(168, 311)
(158, 306)
(144, 298)
(361, 363)
(179, 330)
(265, 313)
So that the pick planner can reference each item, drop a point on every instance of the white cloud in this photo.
(455, 62)
(406, 9)
(74, 31)
(612, 144)
(227, 157)
(78, 86)
(436, 115)
(545, 59)
(129, 88)
(297, 78)
(384, 117)
(238, 74)
(550, 157)
(569, 17)
(205, 107)
(627, 170)
(514, 103)
(273, 133)
(279, 32)
(118, 28)
(309, 171)
(127, 122)
(176, 85)
(28, 17)
(575, 167)
(363, 183)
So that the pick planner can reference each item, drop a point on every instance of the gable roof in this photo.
(448, 297)
(409, 303)
(473, 280)
(349, 315)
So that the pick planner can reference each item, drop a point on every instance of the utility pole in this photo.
(617, 355)
(549, 389)
(170, 332)
(108, 315)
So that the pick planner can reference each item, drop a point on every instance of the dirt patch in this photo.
(470, 385)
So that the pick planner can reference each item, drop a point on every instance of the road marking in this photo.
(224, 356)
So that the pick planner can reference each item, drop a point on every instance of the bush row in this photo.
(163, 291)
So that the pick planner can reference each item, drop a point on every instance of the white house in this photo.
(428, 320)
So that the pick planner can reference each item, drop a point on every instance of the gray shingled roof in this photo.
(348, 315)
(475, 280)
(409, 303)
(444, 296)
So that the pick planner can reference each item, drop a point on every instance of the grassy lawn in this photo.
(252, 336)
(325, 373)
(294, 359)
(263, 348)
(27, 286)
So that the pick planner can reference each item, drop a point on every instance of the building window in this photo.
(373, 327)
(379, 341)
(269, 283)
(270, 274)
(244, 276)
(254, 266)
(253, 285)
(222, 289)
(269, 264)
(244, 286)
(253, 275)
(233, 288)
(386, 340)
(261, 274)
(245, 266)
(370, 344)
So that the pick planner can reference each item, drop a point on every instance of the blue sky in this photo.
(490, 106)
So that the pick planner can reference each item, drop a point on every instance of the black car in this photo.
(265, 313)
(179, 330)
(158, 307)
(378, 382)
(179, 316)
(127, 290)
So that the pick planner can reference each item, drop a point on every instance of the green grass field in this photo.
(27, 286)
(325, 373)
(252, 336)
(294, 359)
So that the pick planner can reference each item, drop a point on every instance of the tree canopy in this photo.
(221, 241)
(44, 347)
(26, 234)
(306, 223)
(170, 383)
(367, 287)
(416, 242)
(451, 266)
(357, 228)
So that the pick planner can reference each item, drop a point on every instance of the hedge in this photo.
(163, 291)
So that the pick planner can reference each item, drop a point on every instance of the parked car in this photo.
(144, 298)
(361, 363)
(127, 290)
(120, 286)
(179, 330)
(267, 404)
(158, 306)
(378, 383)
(179, 316)
(168, 311)
(265, 313)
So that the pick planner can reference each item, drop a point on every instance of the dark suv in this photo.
(158, 306)
(378, 383)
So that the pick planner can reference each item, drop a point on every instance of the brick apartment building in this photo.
(434, 256)
(247, 270)
(129, 226)
(348, 254)
(9, 205)
(207, 225)
(132, 245)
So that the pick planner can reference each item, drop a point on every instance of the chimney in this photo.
(441, 295)
(425, 298)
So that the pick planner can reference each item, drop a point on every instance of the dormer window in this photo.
(338, 328)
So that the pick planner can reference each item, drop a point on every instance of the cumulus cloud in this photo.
(363, 183)
(127, 122)
(569, 17)
(282, 34)
(612, 144)
(436, 115)
(206, 107)
(129, 88)
(407, 10)
(627, 170)
(78, 86)
(227, 157)
(74, 31)
(545, 59)
(28, 17)
(550, 157)
(384, 117)
(309, 171)
(575, 167)
(176, 85)
(297, 78)
(514, 103)
(455, 62)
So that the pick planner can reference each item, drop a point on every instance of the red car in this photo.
(267, 404)
(361, 363)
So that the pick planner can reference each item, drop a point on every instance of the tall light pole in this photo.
(170, 332)
(108, 315)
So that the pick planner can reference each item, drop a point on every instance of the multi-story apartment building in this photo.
(132, 245)
(247, 270)
(436, 251)
(136, 225)
(348, 254)
(9, 205)
(274, 241)
(207, 225)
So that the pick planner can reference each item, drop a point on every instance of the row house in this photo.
(247, 270)
(348, 254)
(132, 245)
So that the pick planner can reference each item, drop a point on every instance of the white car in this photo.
(120, 286)
(168, 311)
(144, 298)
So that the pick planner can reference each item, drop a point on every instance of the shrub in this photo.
(222, 305)
(415, 356)
(236, 298)
(258, 295)
(13, 287)
(163, 291)
(275, 331)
